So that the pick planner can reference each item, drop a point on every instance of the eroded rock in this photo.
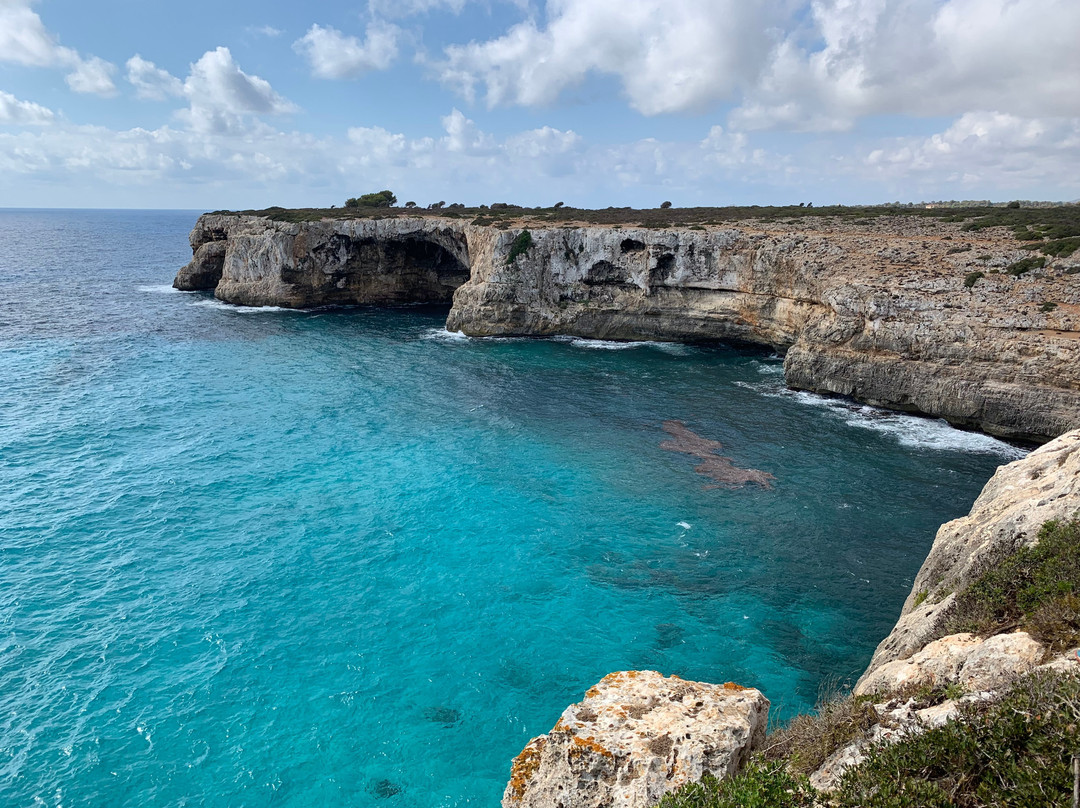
(1007, 515)
(636, 736)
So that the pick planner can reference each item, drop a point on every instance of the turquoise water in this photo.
(272, 558)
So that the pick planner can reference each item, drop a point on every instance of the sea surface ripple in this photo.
(278, 558)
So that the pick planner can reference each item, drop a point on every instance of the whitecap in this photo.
(621, 345)
(220, 305)
(769, 368)
(163, 289)
(444, 335)
(911, 431)
(684, 525)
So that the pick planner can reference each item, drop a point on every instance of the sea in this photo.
(262, 557)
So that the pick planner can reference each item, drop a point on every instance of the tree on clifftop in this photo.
(382, 199)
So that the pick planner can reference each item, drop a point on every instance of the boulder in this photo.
(636, 736)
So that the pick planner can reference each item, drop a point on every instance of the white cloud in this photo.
(92, 75)
(405, 8)
(221, 95)
(921, 57)
(670, 55)
(463, 135)
(791, 64)
(268, 31)
(333, 55)
(150, 81)
(23, 113)
(24, 40)
(989, 149)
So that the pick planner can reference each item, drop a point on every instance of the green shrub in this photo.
(1048, 307)
(760, 785)
(519, 246)
(972, 278)
(1060, 248)
(1018, 268)
(1013, 753)
(1024, 587)
(955, 250)
(380, 199)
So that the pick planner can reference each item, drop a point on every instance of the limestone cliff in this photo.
(253, 261)
(881, 314)
(1012, 507)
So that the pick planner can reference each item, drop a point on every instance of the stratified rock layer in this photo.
(635, 737)
(882, 315)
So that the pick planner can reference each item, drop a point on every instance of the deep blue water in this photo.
(272, 558)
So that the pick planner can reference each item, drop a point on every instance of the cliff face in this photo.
(882, 315)
(1012, 507)
(253, 261)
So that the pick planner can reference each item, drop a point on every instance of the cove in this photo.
(265, 557)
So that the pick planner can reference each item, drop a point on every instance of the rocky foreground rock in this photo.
(636, 736)
(886, 313)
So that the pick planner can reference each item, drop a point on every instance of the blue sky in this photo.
(143, 103)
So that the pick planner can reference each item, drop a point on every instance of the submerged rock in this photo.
(636, 736)
(712, 465)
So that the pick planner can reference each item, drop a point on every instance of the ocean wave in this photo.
(443, 335)
(163, 289)
(622, 345)
(912, 431)
(213, 303)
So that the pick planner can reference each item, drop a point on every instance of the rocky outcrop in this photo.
(973, 663)
(636, 736)
(1007, 515)
(253, 261)
(883, 315)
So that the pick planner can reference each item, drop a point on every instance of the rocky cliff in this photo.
(253, 261)
(891, 313)
(1017, 501)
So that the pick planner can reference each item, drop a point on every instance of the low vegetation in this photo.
(519, 246)
(1043, 225)
(760, 785)
(1008, 754)
(1036, 589)
(1018, 268)
(808, 740)
(972, 278)
(1015, 752)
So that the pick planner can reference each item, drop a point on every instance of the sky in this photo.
(242, 104)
